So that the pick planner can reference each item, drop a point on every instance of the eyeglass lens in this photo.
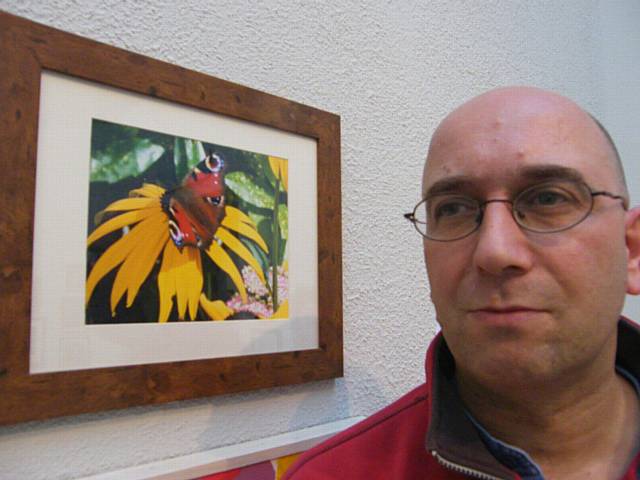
(546, 207)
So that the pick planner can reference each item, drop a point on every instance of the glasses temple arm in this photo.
(625, 202)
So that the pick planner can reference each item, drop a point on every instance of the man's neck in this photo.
(585, 428)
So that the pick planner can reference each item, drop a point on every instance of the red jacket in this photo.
(426, 433)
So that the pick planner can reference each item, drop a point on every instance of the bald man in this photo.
(530, 248)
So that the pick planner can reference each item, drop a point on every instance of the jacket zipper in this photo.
(462, 469)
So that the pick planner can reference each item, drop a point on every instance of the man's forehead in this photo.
(513, 102)
(507, 131)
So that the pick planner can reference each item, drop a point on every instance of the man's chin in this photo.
(511, 363)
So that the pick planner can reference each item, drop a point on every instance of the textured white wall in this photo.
(619, 59)
(391, 70)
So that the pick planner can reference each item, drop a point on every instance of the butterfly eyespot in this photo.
(214, 162)
(214, 200)
(176, 234)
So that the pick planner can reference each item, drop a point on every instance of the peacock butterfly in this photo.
(196, 207)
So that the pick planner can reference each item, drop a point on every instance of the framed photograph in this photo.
(167, 235)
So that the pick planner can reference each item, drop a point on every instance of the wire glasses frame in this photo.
(529, 208)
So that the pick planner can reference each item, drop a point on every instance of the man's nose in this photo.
(501, 244)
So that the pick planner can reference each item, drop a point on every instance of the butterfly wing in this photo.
(206, 178)
(196, 208)
(181, 228)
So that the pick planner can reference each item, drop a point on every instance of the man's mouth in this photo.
(506, 314)
(507, 309)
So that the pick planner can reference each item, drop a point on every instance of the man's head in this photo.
(538, 304)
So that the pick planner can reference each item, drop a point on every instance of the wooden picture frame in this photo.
(29, 49)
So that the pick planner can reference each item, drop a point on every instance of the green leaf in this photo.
(119, 151)
(195, 152)
(283, 220)
(268, 173)
(105, 167)
(180, 157)
(146, 153)
(255, 216)
(257, 253)
(283, 251)
(243, 186)
(265, 229)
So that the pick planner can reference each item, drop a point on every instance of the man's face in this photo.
(513, 303)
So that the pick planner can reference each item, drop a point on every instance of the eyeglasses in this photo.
(547, 207)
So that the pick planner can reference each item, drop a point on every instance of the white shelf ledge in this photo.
(230, 457)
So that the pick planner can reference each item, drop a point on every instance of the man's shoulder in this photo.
(392, 439)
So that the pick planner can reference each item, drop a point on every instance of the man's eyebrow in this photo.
(449, 184)
(549, 172)
(529, 173)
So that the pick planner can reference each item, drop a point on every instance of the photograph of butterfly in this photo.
(183, 230)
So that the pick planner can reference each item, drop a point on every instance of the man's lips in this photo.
(508, 314)
(507, 309)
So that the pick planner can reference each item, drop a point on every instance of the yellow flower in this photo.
(216, 310)
(180, 273)
(280, 170)
(282, 311)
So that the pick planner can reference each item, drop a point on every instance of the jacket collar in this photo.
(453, 437)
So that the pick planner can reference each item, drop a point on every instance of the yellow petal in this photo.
(282, 311)
(234, 214)
(148, 190)
(112, 257)
(141, 260)
(167, 281)
(120, 221)
(181, 276)
(239, 249)
(274, 163)
(181, 288)
(216, 310)
(248, 230)
(279, 166)
(223, 260)
(137, 262)
(195, 285)
(186, 270)
(134, 203)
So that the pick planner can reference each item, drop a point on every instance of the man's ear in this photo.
(632, 238)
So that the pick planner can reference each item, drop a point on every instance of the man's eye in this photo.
(546, 198)
(453, 208)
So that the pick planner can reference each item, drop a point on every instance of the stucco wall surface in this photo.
(391, 70)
